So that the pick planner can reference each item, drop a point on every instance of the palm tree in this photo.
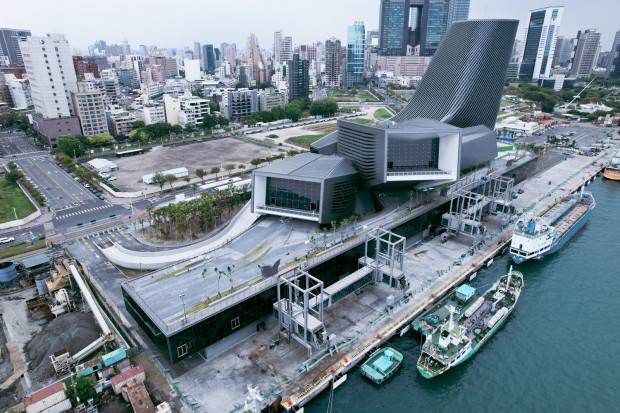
(204, 277)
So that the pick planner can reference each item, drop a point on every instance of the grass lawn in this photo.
(382, 114)
(305, 140)
(22, 248)
(322, 127)
(344, 95)
(504, 103)
(363, 121)
(12, 196)
(406, 94)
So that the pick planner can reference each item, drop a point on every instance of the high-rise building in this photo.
(277, 37)
(372, 38)
(613, 66)
(586, 52)
(143, 51)
(52, 80)
(458, 11)
(332, 63)
(90, 107)
(298, 78)
(229, 51)
(541, 34)
(564, 47)
(355, 53)
(19, 90)
(82, 66)
(208, 58)
(464, 82)
(198, 53)
(10, 53)
(393, 27)
(429, 22)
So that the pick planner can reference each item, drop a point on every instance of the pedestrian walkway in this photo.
(83, 211)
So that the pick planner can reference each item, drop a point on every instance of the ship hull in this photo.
(558, 243)
(473, 350)
(612, 174)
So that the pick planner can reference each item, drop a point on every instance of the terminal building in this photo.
(445, 128)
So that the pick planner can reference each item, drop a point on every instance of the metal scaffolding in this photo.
(300, 309)
(388, 258)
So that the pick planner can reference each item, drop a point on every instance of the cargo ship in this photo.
(612, 170)
(534, 237)
(469, 325)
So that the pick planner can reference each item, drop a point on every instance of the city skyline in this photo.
(80, 31)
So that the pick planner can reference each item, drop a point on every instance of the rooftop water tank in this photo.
(7, 272)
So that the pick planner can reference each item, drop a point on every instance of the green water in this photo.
(558, 352)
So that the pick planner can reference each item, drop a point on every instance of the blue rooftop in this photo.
(465, 291)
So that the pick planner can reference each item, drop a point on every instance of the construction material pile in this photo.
(71, 331)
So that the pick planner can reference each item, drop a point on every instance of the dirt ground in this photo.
(196, 155)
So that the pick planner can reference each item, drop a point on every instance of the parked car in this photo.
(5, 240)
(111, 178)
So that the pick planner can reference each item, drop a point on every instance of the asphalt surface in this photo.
(15, 143)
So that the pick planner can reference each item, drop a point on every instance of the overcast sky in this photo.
(178, 24)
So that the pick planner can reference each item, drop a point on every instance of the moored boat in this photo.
(612, 170)
(469, 326)
(535, 236)
(382, 364)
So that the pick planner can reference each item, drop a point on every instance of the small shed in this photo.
(113, 356)
(36, 261)
(50, 399)
(135, 374)
(465, 292)
(101, 165)
(139, 398)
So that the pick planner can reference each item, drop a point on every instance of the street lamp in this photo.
(182, 296)
(16, 219)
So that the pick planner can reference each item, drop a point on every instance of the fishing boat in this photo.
(469, 326)
(382, 364)
(612, 170)
(536, 236)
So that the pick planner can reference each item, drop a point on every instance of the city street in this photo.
(15, 143)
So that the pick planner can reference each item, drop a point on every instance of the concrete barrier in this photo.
(23, 221)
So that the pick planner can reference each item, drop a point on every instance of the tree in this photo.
(84, 389)
(214, 106)
(187, 179)
(159, 179)
(138, 124)
(200, 173)
(71, 146)
(229, 167)
(292, 111)
(256, 162)
(215, 170)
(13, 177)
(170, 179)
(241, 166)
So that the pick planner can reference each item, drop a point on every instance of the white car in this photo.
(111, 178)
(6, 240)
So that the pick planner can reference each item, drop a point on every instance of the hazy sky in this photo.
(178, 24)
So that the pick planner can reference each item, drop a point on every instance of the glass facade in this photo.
(534, 32)
(412, 154)
(355, 53)
(437, 25)
(393, 27)
(294, 194)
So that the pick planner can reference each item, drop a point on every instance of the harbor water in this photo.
(558, 352)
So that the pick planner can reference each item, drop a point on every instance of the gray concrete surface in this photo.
(196, 155)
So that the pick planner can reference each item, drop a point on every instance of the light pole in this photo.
(182, 296)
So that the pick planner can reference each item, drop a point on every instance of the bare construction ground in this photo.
(204, 155)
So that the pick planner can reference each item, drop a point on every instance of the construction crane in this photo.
(578, 95)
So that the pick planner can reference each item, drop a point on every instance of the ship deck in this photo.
(568, 220)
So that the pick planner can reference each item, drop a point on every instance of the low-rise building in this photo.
(101, 165)
(154, 114)
(50, 399)
(241, 103)
(20, 92)
(269, 99)
(403, 65)
(192, 110)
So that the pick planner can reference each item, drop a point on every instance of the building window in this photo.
(235, 323)
(182, 350)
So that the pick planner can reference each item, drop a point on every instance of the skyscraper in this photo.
(563, 50)
(540, 40)
(613, 67)
(458, 11)
(277, 36)
(208, 58)
(198, 52)
(332, 63)
(586, 53)
(298, 78)
(52, 78)
(393, 27)
(464, 82)
(10, 54)
(355, 53)
(282, 47)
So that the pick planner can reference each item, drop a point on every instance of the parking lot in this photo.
(60, 189)
(584, 134)
(196, 155)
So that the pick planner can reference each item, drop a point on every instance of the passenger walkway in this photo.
(150, 260)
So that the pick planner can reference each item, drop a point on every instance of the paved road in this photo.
(60, 189)
(15, 143)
